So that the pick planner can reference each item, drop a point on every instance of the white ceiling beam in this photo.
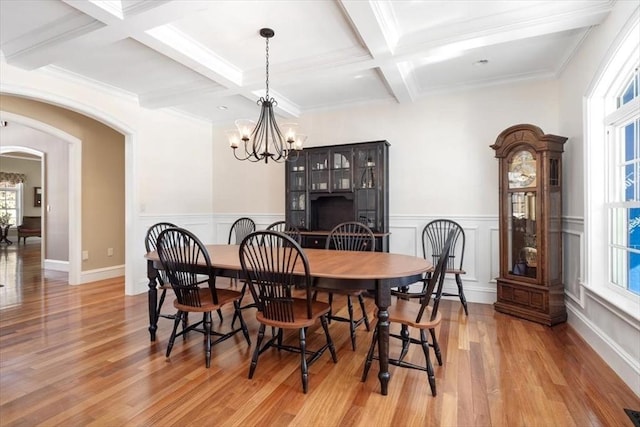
(368, 20)
(96, 26)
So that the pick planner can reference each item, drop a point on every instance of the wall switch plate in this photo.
(109, 251)
(85, 255)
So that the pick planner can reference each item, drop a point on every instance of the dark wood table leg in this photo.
(152, 274)
(383, 300)
(4, 231)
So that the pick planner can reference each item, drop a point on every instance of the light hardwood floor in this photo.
(81, 356)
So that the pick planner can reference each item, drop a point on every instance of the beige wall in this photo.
(102, 178)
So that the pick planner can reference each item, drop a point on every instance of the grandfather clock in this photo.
(530, 283)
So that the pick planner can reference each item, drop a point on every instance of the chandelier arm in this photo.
(260, 143)
(276, 135)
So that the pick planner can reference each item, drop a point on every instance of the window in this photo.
(612, 175)
(11, 200)
(623, 199)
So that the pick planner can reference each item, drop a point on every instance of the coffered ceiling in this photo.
(206, 59)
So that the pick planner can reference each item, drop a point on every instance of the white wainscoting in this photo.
(611, 332)
(481, 255)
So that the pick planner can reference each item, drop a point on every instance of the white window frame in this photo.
(603, 118)
(19, 190)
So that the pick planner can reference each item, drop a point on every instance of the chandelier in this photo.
(264, 140)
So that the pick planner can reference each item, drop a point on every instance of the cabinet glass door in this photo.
(319, 171)
(522, 236)
(297, 194)
(341, 170)
(366, 183)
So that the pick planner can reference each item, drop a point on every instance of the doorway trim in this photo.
(42, 155)
(75, 183)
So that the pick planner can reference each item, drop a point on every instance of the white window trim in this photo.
(610, 78)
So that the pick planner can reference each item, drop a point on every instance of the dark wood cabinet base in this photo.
(531, 302)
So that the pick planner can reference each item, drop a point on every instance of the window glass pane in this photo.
(631, 90)
(634, 250)
(618, 227)
(618, 264)
(634, 272)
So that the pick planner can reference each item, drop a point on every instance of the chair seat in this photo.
(224, 296)
(318, 309)
(406, 312)
(455, 271)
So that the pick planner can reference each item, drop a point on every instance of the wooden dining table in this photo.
(374, 271)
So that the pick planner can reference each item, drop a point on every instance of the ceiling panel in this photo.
(132, 66)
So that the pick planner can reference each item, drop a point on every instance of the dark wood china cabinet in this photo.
(530, 185)
(332, 184)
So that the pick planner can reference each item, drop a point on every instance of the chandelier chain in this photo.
(267, 72)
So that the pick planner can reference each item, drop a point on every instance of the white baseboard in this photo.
(53, 264)
(101, 274)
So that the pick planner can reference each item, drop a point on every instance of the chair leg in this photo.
(243, 292)
(330, 307)
(243, 325)
(220, 314)
(185, 324)
(364, 312)
(207, 338)
(160, 302)
(404, 333)
(436, 346)
(463, 299)
(325, 326)
(367, 363)
(256, 352)
(430, 373)
(352, 323)
(304, 369)
(280, 338)
(172, 338)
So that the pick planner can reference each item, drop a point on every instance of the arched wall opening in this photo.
(76, 275)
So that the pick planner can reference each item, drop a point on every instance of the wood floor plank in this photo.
(81, 356)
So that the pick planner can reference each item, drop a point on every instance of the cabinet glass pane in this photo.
(367, 212)
(366, 168)
(341, 170)
(522, 250)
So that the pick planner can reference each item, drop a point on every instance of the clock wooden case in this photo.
(530, 181)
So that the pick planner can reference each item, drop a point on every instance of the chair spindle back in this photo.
(151, 244)
(187, 264)
(351, 236)
(273, 264)
(436, 281)
(241, 229)
(434, 237)
(288, 229)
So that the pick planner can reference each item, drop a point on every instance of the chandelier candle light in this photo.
(265, 140)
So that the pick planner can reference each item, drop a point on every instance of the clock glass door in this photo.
(522, 242)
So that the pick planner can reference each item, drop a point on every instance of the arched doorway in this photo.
(76, 275)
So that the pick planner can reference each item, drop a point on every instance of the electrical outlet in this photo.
(85, 255)
(109, 251)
